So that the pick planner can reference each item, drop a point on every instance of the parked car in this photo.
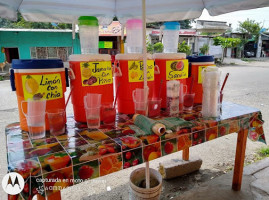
(249, 54)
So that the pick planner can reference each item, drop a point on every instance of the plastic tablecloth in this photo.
(56, 162)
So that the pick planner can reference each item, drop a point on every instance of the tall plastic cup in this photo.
(134, 28)
(170, 37)
(92, 103)
(36, 111)
(89, 34)
(140, 98)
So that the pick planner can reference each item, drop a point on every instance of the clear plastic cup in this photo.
(141, 107)
(188, 101)
(171, 37)
(140, 94)
(154, 107)
(89, 34)
(92, 104)
(57, 121)
(134, 29)
(36, 110)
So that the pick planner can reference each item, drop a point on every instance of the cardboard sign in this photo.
(136, 70)
(200, 69)
(177, 69)
(96, 73)
(48, 86)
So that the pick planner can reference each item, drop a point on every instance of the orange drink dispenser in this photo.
(172, 66)
(197, 64)
(92, 74)
(38, 79)
(129, 76)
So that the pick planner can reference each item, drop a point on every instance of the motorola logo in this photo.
(13, 183)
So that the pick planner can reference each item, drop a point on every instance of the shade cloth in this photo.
(68, 11)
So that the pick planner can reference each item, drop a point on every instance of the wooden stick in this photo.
(186, 154)
(147, 174)
(239, 159)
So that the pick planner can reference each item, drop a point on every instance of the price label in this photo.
(200, 69)
(177, 69)
(136, 70)
(96, 73)
(47, 86)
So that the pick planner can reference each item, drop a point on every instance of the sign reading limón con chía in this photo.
(47, 86)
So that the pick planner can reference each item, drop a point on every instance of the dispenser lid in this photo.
(89, 57)
(88, 21)
(169, 56)
(134, 23)
(132, 56)
(200, 58)
(37, 63)
(171, 26)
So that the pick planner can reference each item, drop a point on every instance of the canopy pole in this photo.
(147, 174)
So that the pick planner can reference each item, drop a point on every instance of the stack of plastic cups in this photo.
(89, 34)
(170, 37)
(211, 87)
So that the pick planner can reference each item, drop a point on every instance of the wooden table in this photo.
(81, 154)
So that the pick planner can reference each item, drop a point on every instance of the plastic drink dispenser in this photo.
(89, 34)
(197, 64)
(172, 66)
(130, 71)
(92, 71)
(38, 79)
(170, 37)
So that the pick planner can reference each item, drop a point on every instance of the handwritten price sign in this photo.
(136, 70)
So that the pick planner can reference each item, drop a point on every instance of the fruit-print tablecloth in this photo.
(51, 164)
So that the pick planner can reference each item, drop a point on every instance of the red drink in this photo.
(108, 114)
(93, 122)
(188, 101)
(154, 107)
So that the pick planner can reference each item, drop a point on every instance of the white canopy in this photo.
(67, 11)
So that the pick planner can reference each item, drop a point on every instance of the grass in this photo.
(264, 151)
(1, 78)
(247, 59)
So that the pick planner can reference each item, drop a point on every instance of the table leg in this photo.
(53, 196)
(239, 159)
(185, 154)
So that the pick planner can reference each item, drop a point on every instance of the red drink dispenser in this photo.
(197, 64)
(129, 76)
(172, 66)
(93, 74)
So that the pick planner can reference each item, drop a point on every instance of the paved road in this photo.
(247, 85)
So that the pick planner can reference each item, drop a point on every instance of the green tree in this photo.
(250, 28)
(21, 23)
(226, 43)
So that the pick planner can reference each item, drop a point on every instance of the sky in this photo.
(259, 15)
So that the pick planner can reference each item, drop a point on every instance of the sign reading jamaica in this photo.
(96, 73)
(177, 69)
(136, 70)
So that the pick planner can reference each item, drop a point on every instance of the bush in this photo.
(184, 48)
(204, 49)
(158, 47)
